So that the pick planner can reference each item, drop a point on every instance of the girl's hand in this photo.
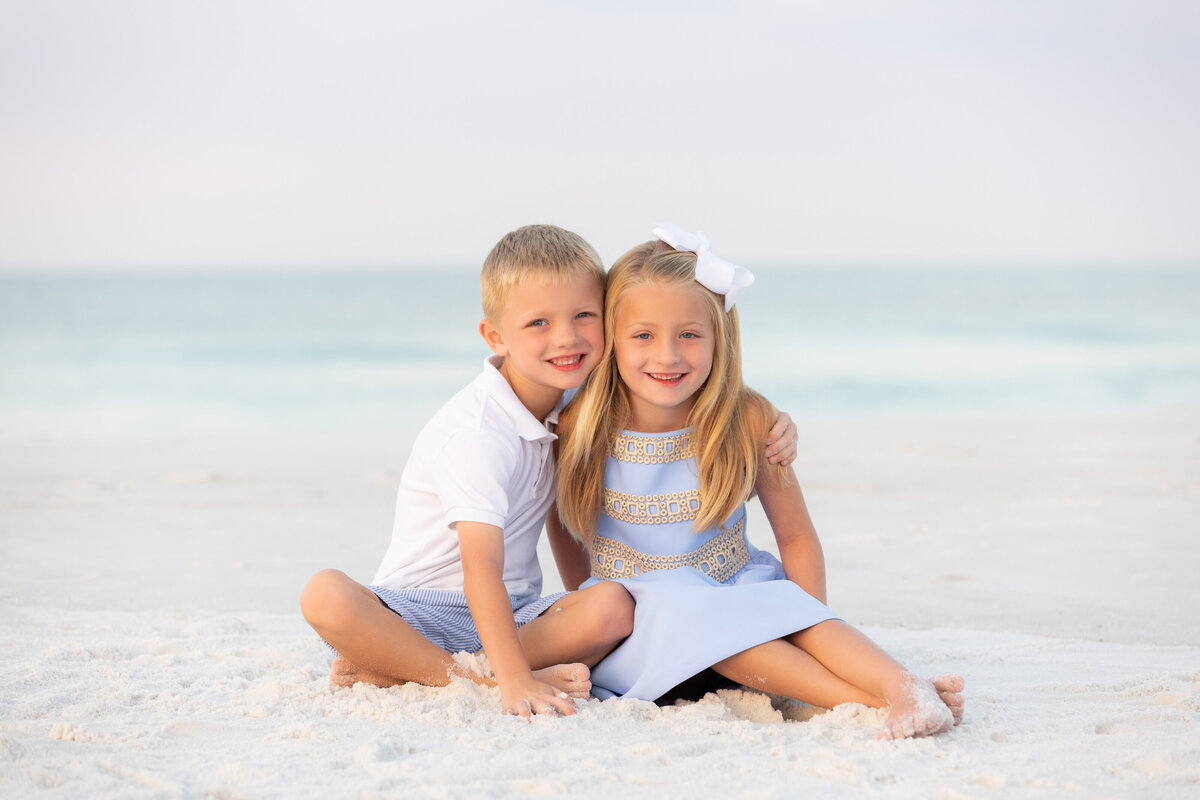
(781, 440)
(526, 696)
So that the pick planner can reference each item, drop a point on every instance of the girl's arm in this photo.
(799, 547)
(574, 567)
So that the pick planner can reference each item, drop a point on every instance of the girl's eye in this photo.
(689, 335)
(641, 336)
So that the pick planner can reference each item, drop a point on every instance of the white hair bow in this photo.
(712, 271)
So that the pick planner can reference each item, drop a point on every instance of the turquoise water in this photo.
(327, 351)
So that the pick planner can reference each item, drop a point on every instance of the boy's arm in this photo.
(574, 566)
(799, 547)
(781, 440)
(482, 549)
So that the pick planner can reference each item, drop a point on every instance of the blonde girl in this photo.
(659, 454)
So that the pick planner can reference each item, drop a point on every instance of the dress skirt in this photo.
(686, 621)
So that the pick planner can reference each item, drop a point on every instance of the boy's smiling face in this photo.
(551, 336)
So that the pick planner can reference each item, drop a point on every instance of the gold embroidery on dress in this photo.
(720, 558)
(652, 509)
(653, 449)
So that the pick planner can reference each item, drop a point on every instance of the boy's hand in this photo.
(526, 695)
(781, 440)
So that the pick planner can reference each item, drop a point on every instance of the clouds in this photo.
(266, 134)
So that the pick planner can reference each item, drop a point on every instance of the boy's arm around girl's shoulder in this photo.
(482, 551)
(783, 502)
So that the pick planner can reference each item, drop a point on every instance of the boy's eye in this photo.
(585, 314)
(538, 323)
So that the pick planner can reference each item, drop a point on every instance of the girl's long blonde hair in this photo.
(727, 420)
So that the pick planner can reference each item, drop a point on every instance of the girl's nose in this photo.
(667, 352)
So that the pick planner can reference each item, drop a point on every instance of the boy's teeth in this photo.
(565, 362)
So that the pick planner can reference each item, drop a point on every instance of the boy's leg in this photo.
(584, 626)
(377, 646)
(377, 642)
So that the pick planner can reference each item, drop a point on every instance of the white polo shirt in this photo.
(481, 458)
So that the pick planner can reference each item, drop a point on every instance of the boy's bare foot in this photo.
(949, 688)
(572, 679)
(343, 673)
(917, 710)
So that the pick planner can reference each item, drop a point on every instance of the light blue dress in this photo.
(701, 597)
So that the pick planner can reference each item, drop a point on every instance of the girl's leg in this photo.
(916, 708)
(780, 667)
(584, 626)
(377, 646)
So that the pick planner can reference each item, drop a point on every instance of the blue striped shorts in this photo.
(442, 615)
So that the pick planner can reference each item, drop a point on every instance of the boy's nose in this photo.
(566, 334)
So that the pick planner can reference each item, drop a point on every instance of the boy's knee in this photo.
(326, 596)
(614, 611)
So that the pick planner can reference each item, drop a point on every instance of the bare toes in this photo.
(935, 723)
(578, 691)
(949, 683)
(573, 680)
(949, 689)
(343, 673)
(904, 728)
(952, 701)
(955, 709)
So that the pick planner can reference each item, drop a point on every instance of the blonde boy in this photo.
(461, 572)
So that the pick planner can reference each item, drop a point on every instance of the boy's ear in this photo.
(493, 337)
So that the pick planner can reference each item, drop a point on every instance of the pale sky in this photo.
(181, 135)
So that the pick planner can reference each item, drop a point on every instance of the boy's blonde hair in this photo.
(537, 252)
(728, 420)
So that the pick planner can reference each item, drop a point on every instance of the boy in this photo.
(461, 572)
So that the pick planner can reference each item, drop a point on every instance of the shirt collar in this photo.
(528, 426)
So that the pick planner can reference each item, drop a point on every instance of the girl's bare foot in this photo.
(949, 688)
(572, 679)
(917, 710)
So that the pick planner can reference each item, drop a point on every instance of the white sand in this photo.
(152, 647)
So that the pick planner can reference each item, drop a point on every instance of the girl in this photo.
(659, 454)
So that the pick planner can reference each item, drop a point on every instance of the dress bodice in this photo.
(651, 500)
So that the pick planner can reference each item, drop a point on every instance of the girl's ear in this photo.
(495, 340)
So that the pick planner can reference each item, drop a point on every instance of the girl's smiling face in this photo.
(664, 340)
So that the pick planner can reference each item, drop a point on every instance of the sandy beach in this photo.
(152, 646)
(240, 248)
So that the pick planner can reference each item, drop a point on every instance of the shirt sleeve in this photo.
(472, 476)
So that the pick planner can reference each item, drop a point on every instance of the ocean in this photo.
(199, 353)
